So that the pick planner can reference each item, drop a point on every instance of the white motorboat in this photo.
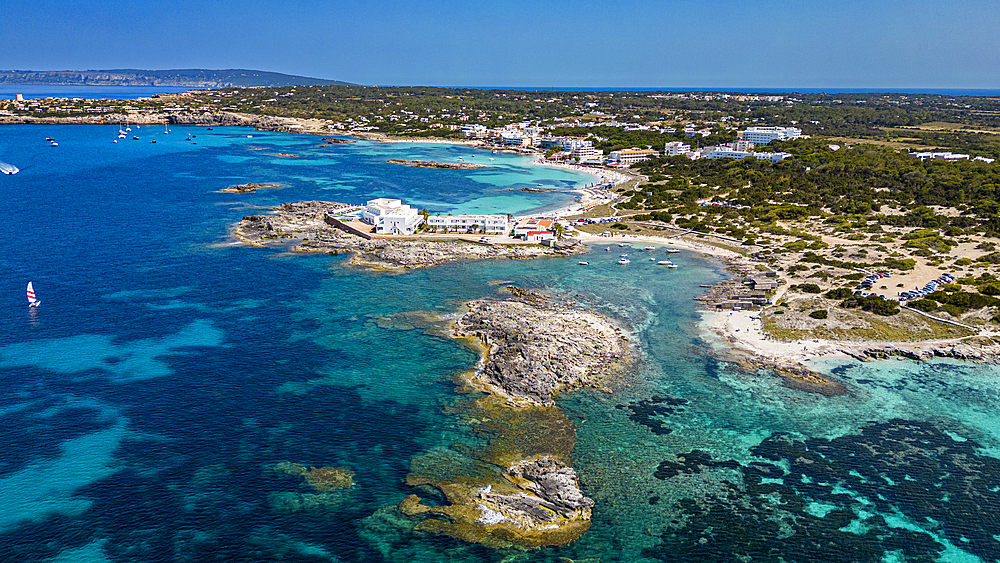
(583, 263)
(624, 261)
(666, 263)
(672, 251)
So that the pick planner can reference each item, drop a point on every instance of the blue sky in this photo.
(628, 43)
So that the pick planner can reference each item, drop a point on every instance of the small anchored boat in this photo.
(666, 263)
(584, 263)
(624, 261)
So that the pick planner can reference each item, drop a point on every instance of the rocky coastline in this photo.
(205, 119)
(315, 227)
(434, 164)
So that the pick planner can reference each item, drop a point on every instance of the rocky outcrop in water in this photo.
(248, 188)
(537, 349)
(539, 503)
(433, 164)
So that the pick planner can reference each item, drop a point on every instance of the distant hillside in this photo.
(193, 78)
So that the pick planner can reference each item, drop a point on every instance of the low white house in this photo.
(497, 224)
(533, 224)
(538, 236)
(391, 216)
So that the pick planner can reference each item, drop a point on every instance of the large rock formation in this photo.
(539, 503)
(537, 349)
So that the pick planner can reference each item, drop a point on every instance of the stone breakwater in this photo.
(434, 164)
(536, 349)
(314, 225)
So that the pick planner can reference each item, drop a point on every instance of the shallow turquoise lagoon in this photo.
(147, 401)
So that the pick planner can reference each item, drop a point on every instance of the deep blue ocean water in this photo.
(32, 91)
(147, 400)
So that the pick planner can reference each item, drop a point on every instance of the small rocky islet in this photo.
(435, 164)
(248, 188)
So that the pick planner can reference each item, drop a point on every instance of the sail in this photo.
(31, 293)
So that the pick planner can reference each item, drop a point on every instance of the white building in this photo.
(533, 225)
(391, 216)
(587, 153)
(474, 131)
(676, 148)
(772, 156)
(724, 151)
(496, 224)
(950, 156)
(764, 135)
(631, 156)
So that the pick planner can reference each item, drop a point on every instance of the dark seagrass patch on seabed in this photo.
(654, 412)
(819, 499)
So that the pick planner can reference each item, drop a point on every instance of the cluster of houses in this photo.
(583, 150)
(742, 148)
(393, 217)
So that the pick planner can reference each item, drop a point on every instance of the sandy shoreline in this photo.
(742, 332)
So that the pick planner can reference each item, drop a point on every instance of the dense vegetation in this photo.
(835, 186)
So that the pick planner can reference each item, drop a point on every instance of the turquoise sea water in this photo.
(147, 400)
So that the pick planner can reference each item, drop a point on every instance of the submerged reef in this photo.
(898, 487)
(324, 480)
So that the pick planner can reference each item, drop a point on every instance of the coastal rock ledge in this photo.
(536, 349)
(320, 226)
